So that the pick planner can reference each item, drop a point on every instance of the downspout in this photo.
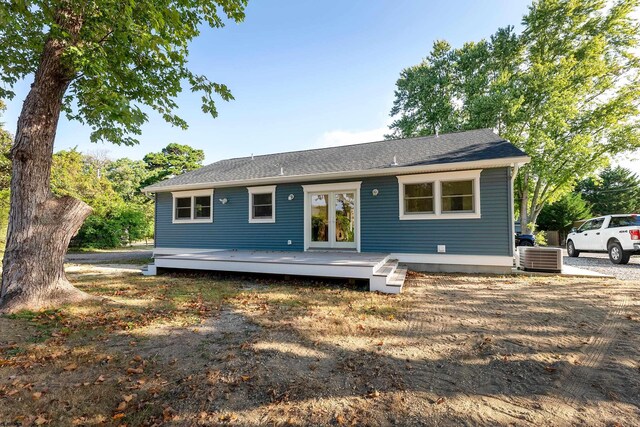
(513, 170)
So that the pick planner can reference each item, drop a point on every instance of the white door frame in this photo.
(353, 186)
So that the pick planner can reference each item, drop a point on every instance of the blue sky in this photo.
(305, 73)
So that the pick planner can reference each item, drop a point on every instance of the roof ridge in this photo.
(433, 136)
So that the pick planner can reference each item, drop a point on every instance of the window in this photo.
(449, 195)
(457, 196)
(624, 221)
(202, 207)
(183, 208)
(418, 198)
(192, 206)
(262, 204)
(593, 224)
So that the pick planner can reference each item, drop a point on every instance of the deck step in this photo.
(149, 270)
(388, 268)
(397, 278)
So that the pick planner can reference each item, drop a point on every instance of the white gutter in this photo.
(474, 164)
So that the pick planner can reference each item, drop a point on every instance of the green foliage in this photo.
(5, 178)
(127, 177)
(566, 91)
(73, 174)
(119, 56)
(121, 225)
(561, 214)
(174, 159)
(614, 191)
(119, 218)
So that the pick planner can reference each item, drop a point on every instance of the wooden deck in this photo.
(382, 272)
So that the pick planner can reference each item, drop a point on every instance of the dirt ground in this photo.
(214, 350)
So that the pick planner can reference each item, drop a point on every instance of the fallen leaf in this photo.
(167, 413)
(71, 367)
(100, 379)
(40, 420)
(440, 401)
(135, 371)
(118, 416)
(340, 420)
(245, 378)
(128, 398)
(37, 395)
(122, 406)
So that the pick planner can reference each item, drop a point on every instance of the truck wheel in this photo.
(617, 255)
(571, 249)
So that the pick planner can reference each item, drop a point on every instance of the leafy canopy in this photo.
(172, 160)
(566, 91)
(613, 191)
(561, 214)
(127, 55)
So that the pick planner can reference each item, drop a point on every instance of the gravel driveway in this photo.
(601, 264)
(117, 256)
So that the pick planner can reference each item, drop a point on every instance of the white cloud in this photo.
(345, 137)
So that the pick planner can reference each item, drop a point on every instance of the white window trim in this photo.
(192, 195)
(437, 179)
(265, 189)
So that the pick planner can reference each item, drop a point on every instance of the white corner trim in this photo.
(400, 170)
(437, 179)
(264, 189)
(455, 259)
(192, 194)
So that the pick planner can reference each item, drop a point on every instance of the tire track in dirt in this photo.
(513, 405)
(428, 319)
(572, 384)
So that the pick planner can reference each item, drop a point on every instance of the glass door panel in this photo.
(345, 217)
(333, 219)
(320, 218)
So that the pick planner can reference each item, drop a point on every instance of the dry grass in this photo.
(207, 350)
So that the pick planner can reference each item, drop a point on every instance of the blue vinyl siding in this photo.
(381, 229)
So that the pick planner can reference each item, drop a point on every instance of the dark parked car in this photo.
(525, 240)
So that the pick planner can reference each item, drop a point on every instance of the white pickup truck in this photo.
(619, 235)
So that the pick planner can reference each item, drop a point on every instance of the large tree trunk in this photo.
(40, 225)
(524, 202)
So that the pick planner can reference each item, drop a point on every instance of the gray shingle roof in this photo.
(482, 144)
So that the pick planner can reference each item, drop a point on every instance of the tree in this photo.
(614, 191)
(561, 214)
(100, 63)
(566, 91)
(174, 159)
(73, 174)
(5, 178)
(127, 177)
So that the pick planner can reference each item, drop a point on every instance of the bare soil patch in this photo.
(214, 350)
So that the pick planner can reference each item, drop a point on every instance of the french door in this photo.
(332, 219)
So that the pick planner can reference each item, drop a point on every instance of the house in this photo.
(435, 203)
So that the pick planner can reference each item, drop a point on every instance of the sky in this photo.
(304, 74)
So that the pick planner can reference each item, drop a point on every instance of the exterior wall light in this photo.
(291, 197)
(224, 201)
(375, 192)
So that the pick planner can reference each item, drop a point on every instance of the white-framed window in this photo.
(192, 206)
(447, 195)
(262, 204)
